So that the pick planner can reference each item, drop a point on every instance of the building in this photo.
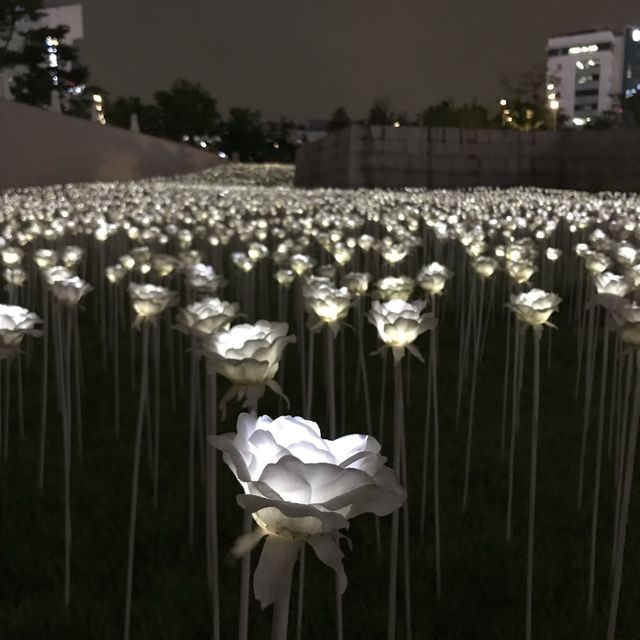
(589, 72)
(68, 15)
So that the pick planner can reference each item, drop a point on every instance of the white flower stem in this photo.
(537, 333)
(505, 391)
(301, 340)
(624, 507)
(309, 395)
(116, 373)
(472, 395)
(144, 385)
(436, 456)
(300, 611)
(45, 385)
(195, 388)
(518, 358)
(329, 376)
(589, 371)
(398, 426)
(280, 620)
(363, 366)
(598, 473)
(339, 617)
(156, 411)
(212, 501)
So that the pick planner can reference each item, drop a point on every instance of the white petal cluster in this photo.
(248, 354)
(534, 307)
(207, 316)
(149, 300)
(300, 487)
(399, 322)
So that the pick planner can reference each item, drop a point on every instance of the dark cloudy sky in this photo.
(302, 58)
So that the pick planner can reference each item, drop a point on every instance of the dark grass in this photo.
(483, 580)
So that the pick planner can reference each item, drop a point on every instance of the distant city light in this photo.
(503, 103)
(580, 65)
(276, 145)
(552, 96)
(222, 154)
(97, 98)
(551, 86)
(635, 35)
(591, 48)
(396, 124)
(579, 122)
(203, 144)
(554, 104)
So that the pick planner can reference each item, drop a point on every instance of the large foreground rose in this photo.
(300, 487)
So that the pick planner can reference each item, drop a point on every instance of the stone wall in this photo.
(39, 147)
(388, 157)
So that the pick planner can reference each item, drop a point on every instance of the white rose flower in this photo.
(611, 284)
(521, 272)
(248, 355)
(328, 304)
(535, 307)
(71, 290)
(433, 277)
(15, 323)
(207, 316)
(301, 488)
(626, 315)
(357, 282)
(392, 287)
(203, 277)
(399, 323)
(149, 300)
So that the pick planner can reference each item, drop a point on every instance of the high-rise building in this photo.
(590, 72)
(68, 15)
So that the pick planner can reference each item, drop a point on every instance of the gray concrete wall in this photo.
(374, 156)
(38, 147)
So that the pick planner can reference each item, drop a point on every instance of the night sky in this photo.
(302, 58)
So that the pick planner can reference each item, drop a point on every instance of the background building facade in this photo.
(589, 72)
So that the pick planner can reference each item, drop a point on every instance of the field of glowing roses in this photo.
(230, 408)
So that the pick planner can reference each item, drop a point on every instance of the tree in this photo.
(118, 112)
(448, 114)
(280, 143)
(631, 110)
(188, 109)
(12, 12)
(50, 65)
(339, 120)
(380, 113)
(243, 134)
(527, 107)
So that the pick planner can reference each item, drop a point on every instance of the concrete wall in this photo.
(364, 156)
(38, 147)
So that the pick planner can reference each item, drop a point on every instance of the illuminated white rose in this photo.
(115, 273)
(534, 307)
(149, 300)
(70, 290)
(328, 304)
(207, 316)
(163, 264)
(15, 277)
(301, 263)
(520, 271)
(357, 283)
(485, 266)
(45, 258)
(596, 262)
(392, 287)
(71, 255)
(626, 315)
(433, 277)
(248, 354)
(399, 323)
(300, 488)
(285, 277)
(204, 278)
(612, 284)
(15, 323)
(55, 273)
